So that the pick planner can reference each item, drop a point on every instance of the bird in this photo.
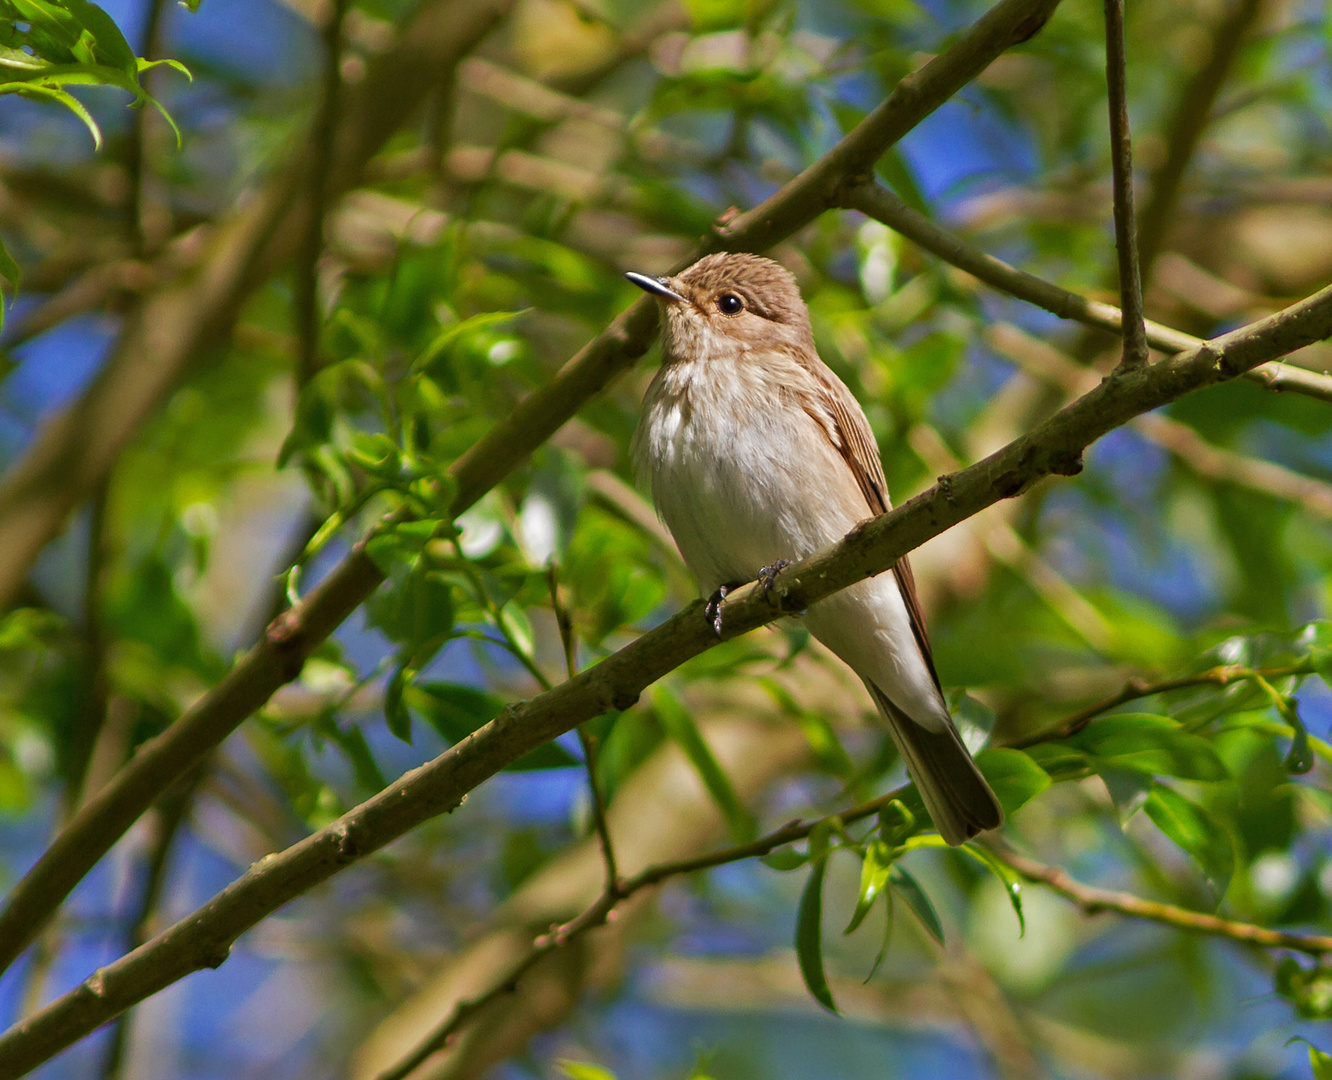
(756, 454)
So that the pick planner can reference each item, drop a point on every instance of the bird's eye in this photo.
(730, 304)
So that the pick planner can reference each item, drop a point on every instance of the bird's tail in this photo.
(953, 789)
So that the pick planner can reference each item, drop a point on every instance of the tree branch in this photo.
(204, 938)
(278, 657)
(1093, 901)
(305, 296)
(882, 205)
(1121, 167)
(1222, 675)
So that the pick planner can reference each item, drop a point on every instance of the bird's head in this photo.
(729, 303)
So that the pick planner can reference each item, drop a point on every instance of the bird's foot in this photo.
(712, 609)
(768, 575)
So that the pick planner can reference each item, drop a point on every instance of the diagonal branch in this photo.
(278, 657)
(204, 938)
(1093, 900)
(878, 202)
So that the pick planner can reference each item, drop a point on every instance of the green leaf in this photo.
(446, 338)
(9, 269)
(61, 97)
(1319, 1062)
(1059, 762)
(680, 726)
(917, 900)
(873, 881)
(897, 821)
(1151, 744)
(809, 937)
(352, 743)
(1014, 776)
(455, 711)
(414, 609)
(975, 720)
(1007, 877)
(395, 711)
(784, 859)
(887, 933)
(1308, 990)
(1194, 830)
(403, 542)
(1299, 759)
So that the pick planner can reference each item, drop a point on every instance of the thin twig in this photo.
(882, 205)
(1222, 675)
(585, 737)
(1093, 901)
(1121, 162)
(136, 203)
(305, 300)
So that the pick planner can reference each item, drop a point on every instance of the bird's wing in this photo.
(843, 421)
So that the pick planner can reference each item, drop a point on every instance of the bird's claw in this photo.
(712, 609)
(768, 575)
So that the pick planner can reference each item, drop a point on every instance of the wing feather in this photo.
(843, 421)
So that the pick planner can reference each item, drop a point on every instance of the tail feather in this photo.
(953, 789)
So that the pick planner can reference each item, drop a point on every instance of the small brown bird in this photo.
(758, 454)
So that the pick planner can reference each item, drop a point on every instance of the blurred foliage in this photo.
(483, 247)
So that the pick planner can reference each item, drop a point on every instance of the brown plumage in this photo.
(757, 452)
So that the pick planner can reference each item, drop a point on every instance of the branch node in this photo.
(620, 699)
(1066, 463)
(346, 845)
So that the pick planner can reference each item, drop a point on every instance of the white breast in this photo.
(740, 473)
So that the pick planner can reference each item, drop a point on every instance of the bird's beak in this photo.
(655, 285)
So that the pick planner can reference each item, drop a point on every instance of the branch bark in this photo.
(1121, 165)
(1093, 901)
(278, 657)
(204, 938)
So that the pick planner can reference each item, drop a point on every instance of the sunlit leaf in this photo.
(1015, 777)
(873, 881)
(1194, 830)
(1151, 744)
